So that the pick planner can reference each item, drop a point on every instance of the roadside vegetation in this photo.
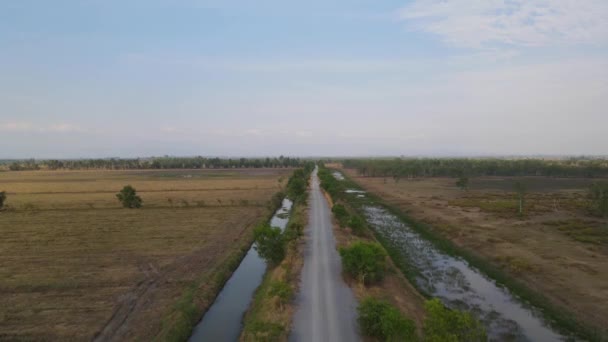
(443, 324)
(382, 320)
(520, 227)
(270, 314)
(364, 261)
(390, 309)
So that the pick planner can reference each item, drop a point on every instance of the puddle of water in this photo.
(462, 287)
(223, 320)
(353, 191)
(338, 175)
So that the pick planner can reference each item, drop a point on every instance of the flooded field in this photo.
(223, 321)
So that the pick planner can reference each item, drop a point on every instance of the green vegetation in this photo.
(330, 184)
(367, 262)
(282, 291)
(381, 320)
(463, 183)
(443, 324)
(357, 224)
(2, 198)
(582, 231)
(269, 316)
(456, 167)
(297, 184)
(364, 261)
(598, 194)
(270, 243)
(264, 331)
(340, 214)
(503, 207)
(128, 197)
(155, 163)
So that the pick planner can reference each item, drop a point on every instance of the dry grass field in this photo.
(557, 248)
(74, 265)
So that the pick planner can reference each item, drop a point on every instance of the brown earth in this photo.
(557, 248)
(70, 271)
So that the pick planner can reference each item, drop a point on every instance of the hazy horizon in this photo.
(98, 79)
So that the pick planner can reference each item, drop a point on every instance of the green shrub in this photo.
(341, 214)
(443, 324)
(128, 197)
(2, 198)
(270, 243)
(381, 320)
(364, 261)
(328, 182)
(357, 224)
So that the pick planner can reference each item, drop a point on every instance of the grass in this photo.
(560, 318)
(71, 258)
(585, 231)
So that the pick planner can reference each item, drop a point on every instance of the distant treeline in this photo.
(154, 163)
(457, 167)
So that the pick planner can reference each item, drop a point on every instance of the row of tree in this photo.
(271, 242)
(155, 163)
(456, 167)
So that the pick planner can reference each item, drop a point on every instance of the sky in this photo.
(120, 78)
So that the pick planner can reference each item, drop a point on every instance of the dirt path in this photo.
(326, 305)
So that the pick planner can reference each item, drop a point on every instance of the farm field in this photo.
(557, 248)
(75, 265)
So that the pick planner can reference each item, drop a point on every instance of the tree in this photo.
(463, 183)
(385, 322)
(443, 324)
(128, 197)
(269, 243)
(520, 189)
(598, 192)
(2, 198)
(365, 261)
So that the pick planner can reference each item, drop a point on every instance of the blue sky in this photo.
(97, 78)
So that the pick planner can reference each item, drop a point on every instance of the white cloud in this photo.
(62, 128)
(15, 126)
(19, 126)
(486, 23)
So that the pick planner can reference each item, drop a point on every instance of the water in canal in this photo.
(460, 286)
(223, 320)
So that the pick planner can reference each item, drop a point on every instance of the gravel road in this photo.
(326, 306)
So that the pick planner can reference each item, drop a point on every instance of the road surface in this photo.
(326, 306)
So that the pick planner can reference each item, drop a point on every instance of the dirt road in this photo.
(326, 306)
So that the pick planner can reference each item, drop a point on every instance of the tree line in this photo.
(154, 163)
(457, 167)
